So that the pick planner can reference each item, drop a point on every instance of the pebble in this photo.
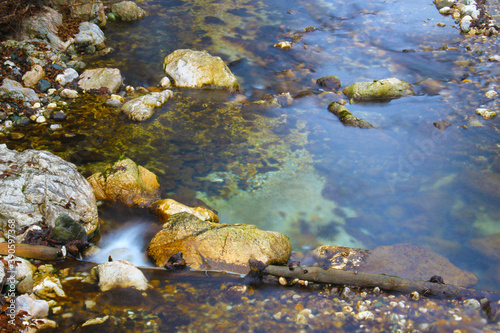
(284, 45)
(59, 115)
(472, 304)
(67, 76)
(465, 23)
(495, 57)
(95, 321)
(51, 105)
(69, 93)
(491, 94)
(36, 105)
(486, 113)
(43, 85)
(365, 315)
(56, 127)
(51, 91)
(8, 123)
(415, 296)
(41, 120)
(445, 11)
(9, 63)
(165, 82)
(16, 135)
(282, 281)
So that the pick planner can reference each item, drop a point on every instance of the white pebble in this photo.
(55, 127)
(51, 106)
(472, 304)
(367, 315)
(51, 91)
(465, 23)
(165, 82)
(491, 94)
(41, 120)
(282, 281)
(495, 57)
(486, 113)
(283, 45)
(415, 295)
(9, 63)
(8, 123)
(445, 11)
(36, 105)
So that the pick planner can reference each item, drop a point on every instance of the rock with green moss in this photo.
(379, 90)
(126, 182)
(346, 117)
(217, 246)
(67, 229)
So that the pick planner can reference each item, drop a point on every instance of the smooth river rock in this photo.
(413, 262)
(127, 11)
(109, 78)
(89, 34)
(119, 274)
(143, 107)
(197, 69)
(215, 246)
(15, 90)
(126, 182)
(379, 90)
(168, 207)
(37, 185)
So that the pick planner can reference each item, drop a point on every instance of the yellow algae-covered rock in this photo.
(168, 207)
(385, 89)
(214, 246)
(126, 182)
(196, 69)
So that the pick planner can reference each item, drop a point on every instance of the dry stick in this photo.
(32, 251)
(369, 280)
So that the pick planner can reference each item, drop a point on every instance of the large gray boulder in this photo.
(15, 90)
(127, 11)
(37, 185)
(197, 69)
(89, 34)
(143, 107)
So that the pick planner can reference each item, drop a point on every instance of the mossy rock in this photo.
(379, 90)
(346, 117)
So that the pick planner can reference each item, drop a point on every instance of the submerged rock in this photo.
(15, 90)
(346, 117)
(215, 246)
(330, 82)
(126, 182)
(143, 108)
(48, 286)
(413, 262)
(127, 11)
(168, 207)
(98, 78)
(385, 89)
(119, 274)
(37, 185)
(197, 69)
(489, 246)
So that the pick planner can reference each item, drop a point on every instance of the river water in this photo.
(297, 169)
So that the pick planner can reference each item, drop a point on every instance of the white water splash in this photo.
(127, 243)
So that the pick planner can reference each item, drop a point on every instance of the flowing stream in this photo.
(297, 169)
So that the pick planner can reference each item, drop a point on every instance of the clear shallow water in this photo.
(298, 170)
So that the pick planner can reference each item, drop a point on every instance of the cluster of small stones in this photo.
(469, 15)
(188, 307)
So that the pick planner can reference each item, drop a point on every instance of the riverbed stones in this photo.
(48, 286)
(67, 76)
(207, 245)
(15, 90)
(330, 82)
(379, 90)
(346, 117)
(98, 78)
(413, 262)
(197, 69)
(37, 185)
(127, 11)
(168, 207)
(143, 107)
(67, 229)
(126, 182)
(119, 274)
(69, 93)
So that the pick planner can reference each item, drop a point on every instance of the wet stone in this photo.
(16, 135)
(59, 115)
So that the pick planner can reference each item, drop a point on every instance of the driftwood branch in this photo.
(369, 280)
(32, 251)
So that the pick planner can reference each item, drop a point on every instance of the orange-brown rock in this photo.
(217, 246)
(126, 182)
(489, 246)
(167, 207)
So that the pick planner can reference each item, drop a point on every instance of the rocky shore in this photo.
(50, 211)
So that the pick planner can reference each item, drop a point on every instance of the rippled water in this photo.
(297, 169)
